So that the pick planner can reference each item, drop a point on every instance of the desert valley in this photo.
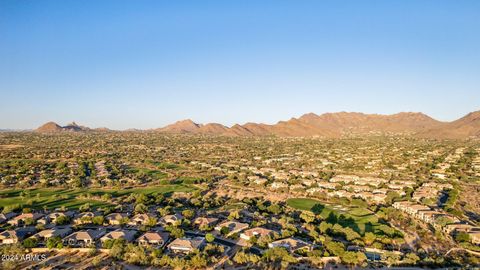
(337, 189)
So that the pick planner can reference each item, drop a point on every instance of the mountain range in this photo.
(331, 125)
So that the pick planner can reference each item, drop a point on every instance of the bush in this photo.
(54, 242)
(462, 237)
(30, 242)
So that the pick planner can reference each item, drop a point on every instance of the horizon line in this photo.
(229, 126)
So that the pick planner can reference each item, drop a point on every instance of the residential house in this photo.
(83, 238)
(20, 220)
(308, 182)
(402, 205)
(292, 244)
(116, 218)
(380, 191)
(205, 221)
(475, 237)
(255, 232)
(261, 181)
(232, 226)
(84, 218)
(55, 215)
(328, 185)
(6, 216)
(128, 235)
(395, 186)
(342, 194)
(171, 219)
(344, 178)
(410, 208)
(10, 237)
(460, 227)
(316, 190)
(44, 235)
(357, 188)
(186, 245)
(278, 185)
(378, 198)
(429, 216)
(15, 236)
(140, 219)
(157, 239)
(296, 187)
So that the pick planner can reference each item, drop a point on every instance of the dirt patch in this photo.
(9, 146)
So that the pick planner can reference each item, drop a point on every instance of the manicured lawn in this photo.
(302, 203)
(145, 190)
(153, 174)
(54, 198)
(165, 165)
(361, 216)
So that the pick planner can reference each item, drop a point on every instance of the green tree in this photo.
(308, 217)
(391, 258)
(353, 258)
(242, 258)
(350, 234)
(462, 237)
(62, 220)
(392, 196)
(209, 237)
(54, 242)
(369, 238)
(188, 213)
(98, 220)
(29, 221)
(164, 211)
(30, 242)
(152, 221)
(141, 208)
(117, 249)
(198, 261)
(176, 232)
(84, 208)
(106, 197)
(107, 243)
(324, 227)
(234, 215)
(224, 230)
(411, 259)
(335, 248)
(274, 209)
(279, 254)
(135, 255)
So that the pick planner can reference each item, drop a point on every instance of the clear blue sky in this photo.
(144, 64)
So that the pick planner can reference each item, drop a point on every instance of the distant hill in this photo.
(465, 127)
(329, 125)
(184, 126)
(52, 127)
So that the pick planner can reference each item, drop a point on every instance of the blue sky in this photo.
(144, 64)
